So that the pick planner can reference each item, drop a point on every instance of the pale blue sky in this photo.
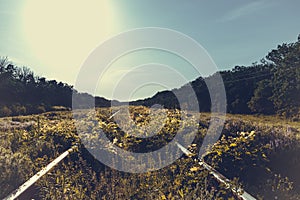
(55, 37)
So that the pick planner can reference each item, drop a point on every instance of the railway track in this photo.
(28, 187)
(240, 193)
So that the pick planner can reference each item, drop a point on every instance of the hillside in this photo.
(271, 86)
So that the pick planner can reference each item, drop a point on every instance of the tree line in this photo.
(270, 86)
(22, 92)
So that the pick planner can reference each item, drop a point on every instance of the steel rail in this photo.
(16, 193)
(242, 194)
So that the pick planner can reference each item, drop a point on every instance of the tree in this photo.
(261, 101)
(286, 79)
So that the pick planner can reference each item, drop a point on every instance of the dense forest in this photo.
(270, 86)
(22, 92)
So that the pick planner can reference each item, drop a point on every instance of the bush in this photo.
(5, 111)
(18, 109)
(41, 109)
(59, 108)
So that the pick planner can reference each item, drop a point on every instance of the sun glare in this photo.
(63, 33)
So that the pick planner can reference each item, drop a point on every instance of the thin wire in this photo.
(253, 77)
(242, 75)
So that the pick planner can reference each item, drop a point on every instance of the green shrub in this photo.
(5, 111)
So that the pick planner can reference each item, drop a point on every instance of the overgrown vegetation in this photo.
(250, 152)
